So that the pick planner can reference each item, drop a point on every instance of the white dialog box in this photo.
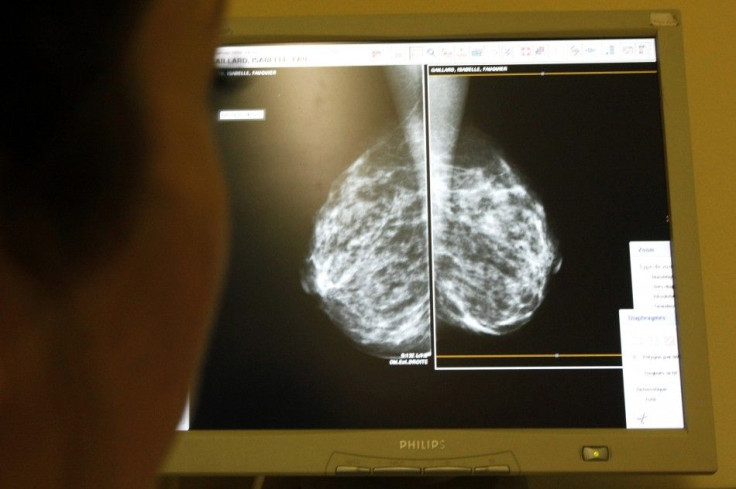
(651, 274)
(651, 360)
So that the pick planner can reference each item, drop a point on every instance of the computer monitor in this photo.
(461, 245)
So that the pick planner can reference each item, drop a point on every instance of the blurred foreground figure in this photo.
(113, 232)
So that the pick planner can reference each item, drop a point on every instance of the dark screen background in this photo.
(590, 147)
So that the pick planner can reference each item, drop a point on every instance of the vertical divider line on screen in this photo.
(430, 252)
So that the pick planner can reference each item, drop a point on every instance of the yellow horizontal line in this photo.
(557, 73)
(540, 355)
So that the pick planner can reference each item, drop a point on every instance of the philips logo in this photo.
(421, 444)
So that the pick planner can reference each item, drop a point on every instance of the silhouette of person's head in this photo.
(113, 231)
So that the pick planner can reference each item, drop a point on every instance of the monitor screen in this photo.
(455, 249)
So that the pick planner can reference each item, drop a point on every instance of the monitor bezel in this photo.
(525, 451)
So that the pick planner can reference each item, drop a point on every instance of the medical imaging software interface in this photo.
(444, 235)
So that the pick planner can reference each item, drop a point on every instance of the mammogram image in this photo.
(430, 215)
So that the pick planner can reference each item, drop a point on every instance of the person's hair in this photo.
(72, 145)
